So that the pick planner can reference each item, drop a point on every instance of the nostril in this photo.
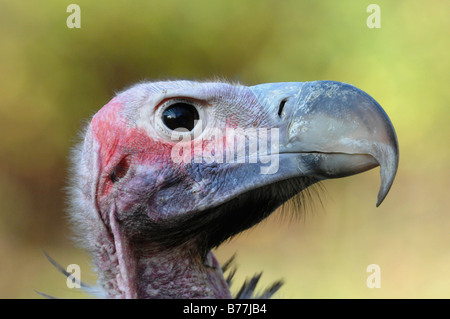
(281, 107)
(120, 170)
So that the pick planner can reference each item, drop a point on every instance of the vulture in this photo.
(168, 170)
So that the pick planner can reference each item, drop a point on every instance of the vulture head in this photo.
(166, 171)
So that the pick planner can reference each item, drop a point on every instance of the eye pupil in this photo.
(180, 115)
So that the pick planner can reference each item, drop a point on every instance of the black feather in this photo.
(248, 289)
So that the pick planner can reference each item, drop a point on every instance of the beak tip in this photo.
(381, 196)
(380, 200)
(384, 190)
(387, 179)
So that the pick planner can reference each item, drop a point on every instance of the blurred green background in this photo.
(53, 78)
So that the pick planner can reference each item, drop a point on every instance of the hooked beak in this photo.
(341, 129)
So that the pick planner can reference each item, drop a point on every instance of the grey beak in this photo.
(343, 130)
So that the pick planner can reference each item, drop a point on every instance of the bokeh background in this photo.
(53, 78)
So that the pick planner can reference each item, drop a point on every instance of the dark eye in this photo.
(180, 115)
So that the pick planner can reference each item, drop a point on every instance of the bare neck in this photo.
(173, 273)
